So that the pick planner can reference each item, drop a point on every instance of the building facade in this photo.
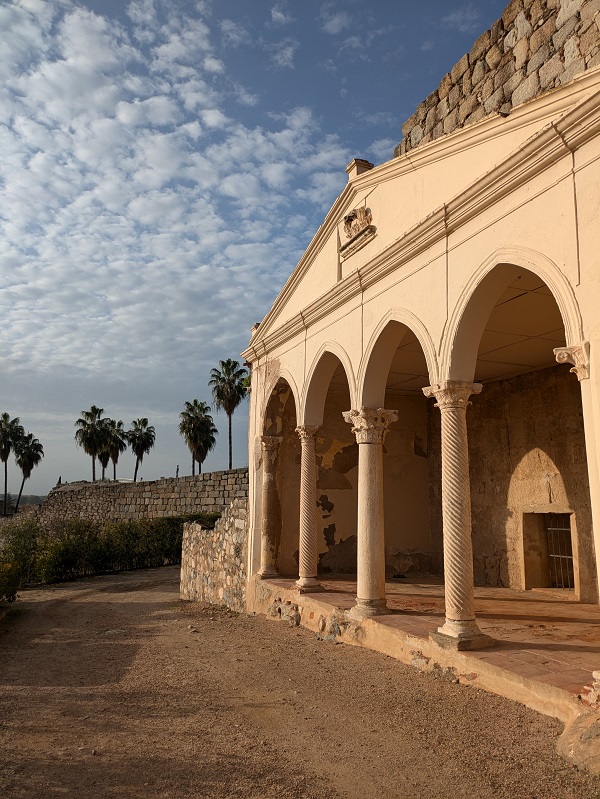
(425, 389)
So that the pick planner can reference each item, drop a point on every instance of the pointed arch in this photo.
(378, 356)
(460, 342)
(327, 360)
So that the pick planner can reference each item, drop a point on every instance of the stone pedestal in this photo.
(271, 512)
(370, 426)
(460, 630)
(308, 552)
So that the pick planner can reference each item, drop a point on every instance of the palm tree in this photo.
(28, 453)
(228, 390)
(11, 432)
(198, 430)
(141, 438)
(89, 434)
(117, 442)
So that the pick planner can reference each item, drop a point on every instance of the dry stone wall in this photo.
(115, 502)
(537, 45)
(213, 562)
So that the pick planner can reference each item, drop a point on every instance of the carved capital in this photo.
(270, 443)
(579, 356)
(370, 425)
(307, 433)
(452, 394)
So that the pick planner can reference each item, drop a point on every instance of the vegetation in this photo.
(28, 454)
(228, 390)
(11, 432)
(117, 442)
(141, 439)
(198, 430)
(77, 548)
(90, 434)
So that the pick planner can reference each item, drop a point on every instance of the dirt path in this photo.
(111, 687)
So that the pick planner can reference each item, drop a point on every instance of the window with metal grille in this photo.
(560, 549)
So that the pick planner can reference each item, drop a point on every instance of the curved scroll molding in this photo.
(461, 337)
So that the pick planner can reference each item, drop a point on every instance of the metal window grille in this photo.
(560, 549)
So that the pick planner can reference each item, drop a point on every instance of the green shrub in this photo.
(76, 548)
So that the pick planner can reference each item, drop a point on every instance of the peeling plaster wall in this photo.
(527, 454)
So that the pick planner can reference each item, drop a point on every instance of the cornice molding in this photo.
(563, 134)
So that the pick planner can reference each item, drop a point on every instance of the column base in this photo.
(367, 608)
(268, 574)
(461, 636)
(307, 585)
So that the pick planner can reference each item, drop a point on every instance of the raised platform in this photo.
(547, 644)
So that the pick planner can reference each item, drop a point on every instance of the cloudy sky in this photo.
(163, 165)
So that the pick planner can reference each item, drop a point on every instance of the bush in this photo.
(77, 548)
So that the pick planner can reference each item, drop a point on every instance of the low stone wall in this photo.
(114, 502)
(213, 562)
(537, 45)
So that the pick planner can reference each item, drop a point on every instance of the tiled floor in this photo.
(543, 635)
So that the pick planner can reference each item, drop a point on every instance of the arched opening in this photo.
(395, 375)
(279, 424)
(526, 438)
(328, 395)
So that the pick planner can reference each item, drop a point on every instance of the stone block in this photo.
(512, 83)
(431, 101)
(589, 40)
(504, 73)
(467, 107)
(542, 35)
(527, 90)
(487, 89)
(494, 101)
(496, 31)
(571, 51)
(593, 61)
(510, 12)
(535, 12)
(521, 53)
(479, 72)
(493, 56)
(459, 69)
(480, 47)
(564, 32)
(421, 112)
(478, 113)
(550, 71)
(575, 68)
(589, 10)
(539, 58)
(454, 97)
(522, 26)
(568, 8)
(509, 40)
(443, 109)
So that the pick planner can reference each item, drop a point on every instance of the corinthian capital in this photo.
(270, 443)
(307, 432)
(579, 356)
(452, 394)
(370, 425)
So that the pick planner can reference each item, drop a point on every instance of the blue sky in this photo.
(164, 165)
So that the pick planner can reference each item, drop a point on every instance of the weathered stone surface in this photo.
(521, 53)
(510, 12)
(479, 72)
(550, 71)
(459, 69)
(564, 32)
(480, 47)
(589, 10)
(493, 56)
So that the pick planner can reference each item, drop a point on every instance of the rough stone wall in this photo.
(213, 562)
(114, 502)
(537, 45)
(526, 450)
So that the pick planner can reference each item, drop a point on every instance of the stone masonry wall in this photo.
(113, 502)
(213, 562)
(537, 45)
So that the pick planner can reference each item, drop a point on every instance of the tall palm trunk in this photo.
(20, 492)
(137, 465)
(199, 467)
(5, 485)
(230, 447)
(93, 469)
(115, 471)
(193, 466)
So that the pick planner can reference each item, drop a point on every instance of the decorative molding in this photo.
(270, 443)
(360, 231)
(579, 356)
(452, 394)
(370, 425)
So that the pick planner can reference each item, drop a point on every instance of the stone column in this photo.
(271, 511)
(308, 554)
(460, 630)
(370, 426)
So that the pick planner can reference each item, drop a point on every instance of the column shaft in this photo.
(308, 550)
(271, 511)
(370, 427)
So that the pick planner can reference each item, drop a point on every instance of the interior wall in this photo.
(527, 452)
(289, 491)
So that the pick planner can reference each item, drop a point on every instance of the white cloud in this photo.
(280, 16)
(283, 52)
(234, 34)
(334, 21)
(466, 19)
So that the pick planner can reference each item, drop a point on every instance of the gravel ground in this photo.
(111, 687)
